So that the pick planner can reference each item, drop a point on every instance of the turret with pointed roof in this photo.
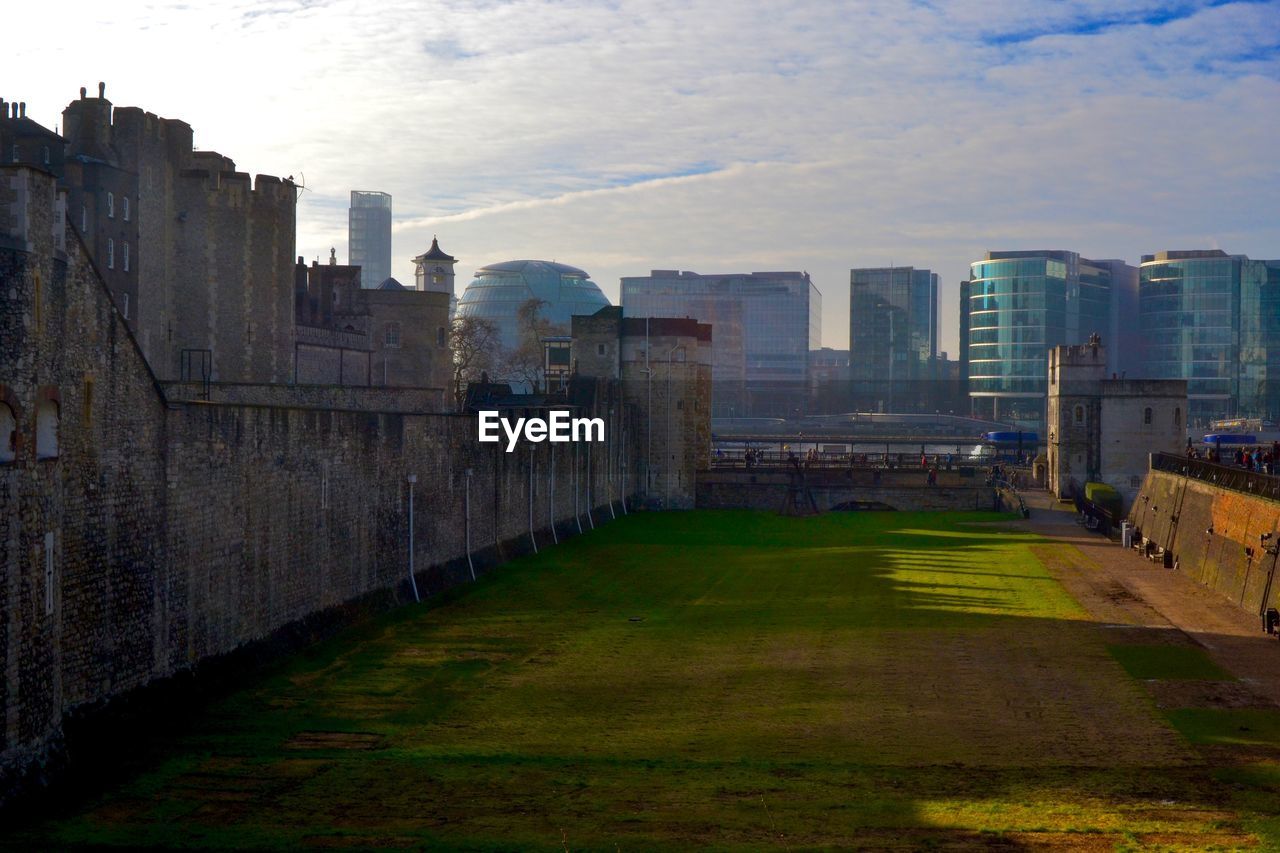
(433, 269)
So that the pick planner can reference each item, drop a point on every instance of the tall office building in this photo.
(1122, 341)
(964, 337)
(1214, 320)
(369, 236)
(1020, 305)
(893, 337)
(763, 326)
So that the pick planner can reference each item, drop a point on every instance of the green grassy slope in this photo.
(709, 678)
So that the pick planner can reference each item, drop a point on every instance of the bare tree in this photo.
(524, 363)
(475, 350)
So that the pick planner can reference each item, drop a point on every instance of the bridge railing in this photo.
(845, 461)
(1231, 477)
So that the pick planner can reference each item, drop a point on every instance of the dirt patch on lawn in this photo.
(1206, 694)
(1104, 597)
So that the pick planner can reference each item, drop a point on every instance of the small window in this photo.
(47, 430)
(84, 218)
(1146, 416)
(441, 337)
(124, 258)
(599, 349)
(111, 206)
(391, 335)
(1079, 414)
(8, 434)
(1177, 416)
(111, 254)
(15, 153)
(125, 202)
(124, 304)
(46, 155)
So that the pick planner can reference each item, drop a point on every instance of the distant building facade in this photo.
(197, 256)
(766, 324)
(1213, 319)
(1020, 305)
(893, 337)
(829, 381)
(389, 336)
(497, 292)
(369, 236)
(665, 364)
(1124, 340)
(1103, 430)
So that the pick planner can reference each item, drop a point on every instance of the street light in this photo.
(412, 478)
(666, 500)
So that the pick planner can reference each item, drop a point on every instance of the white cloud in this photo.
(631, 135)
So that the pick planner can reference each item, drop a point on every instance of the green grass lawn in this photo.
(700, 679)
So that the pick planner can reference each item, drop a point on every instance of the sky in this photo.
(717, 136)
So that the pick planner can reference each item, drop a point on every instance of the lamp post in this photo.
(666, 498)
(412, 478)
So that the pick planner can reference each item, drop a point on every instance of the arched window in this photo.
(1146, 416)
(1177, 417)
(47, 430)
(8, 434)
(1079, 414)
(111, 206)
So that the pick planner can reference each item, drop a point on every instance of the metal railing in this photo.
(845, 461)
(1230, 477)
(1010, 497)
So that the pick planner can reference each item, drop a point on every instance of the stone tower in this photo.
(433, 270)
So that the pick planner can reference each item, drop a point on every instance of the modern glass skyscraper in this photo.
(1214, 320)
(1020, 305)
(893, 335)
(763, 325)
(369, 236)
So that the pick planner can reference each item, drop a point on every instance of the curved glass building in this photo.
(1214, 320)
(498, 290)
(1020, 305)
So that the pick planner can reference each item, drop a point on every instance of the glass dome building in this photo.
(498, 290)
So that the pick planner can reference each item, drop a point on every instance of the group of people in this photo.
(1256, 459)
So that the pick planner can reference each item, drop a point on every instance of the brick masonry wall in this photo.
(1177, 513)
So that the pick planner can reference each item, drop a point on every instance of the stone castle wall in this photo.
(907, 490)
(164, 532)
(1213, 534)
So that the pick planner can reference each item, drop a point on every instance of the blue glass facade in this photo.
(1020, 305)
(893, 323)
(369, 236)
(1214, 320)
(498, 290)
